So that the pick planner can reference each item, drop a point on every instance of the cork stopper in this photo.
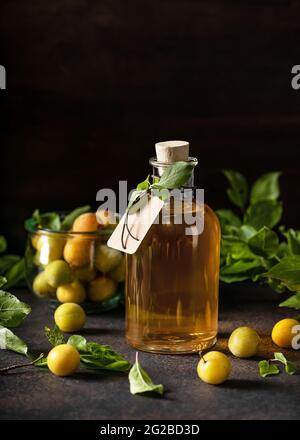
(172, 151)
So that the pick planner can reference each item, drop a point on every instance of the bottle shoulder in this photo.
(210, 211)
(212, 216)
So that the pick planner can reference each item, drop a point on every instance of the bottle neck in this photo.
(159, 167)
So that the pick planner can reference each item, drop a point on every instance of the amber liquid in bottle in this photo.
(172, 287)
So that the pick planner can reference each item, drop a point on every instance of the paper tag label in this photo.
(127, 238)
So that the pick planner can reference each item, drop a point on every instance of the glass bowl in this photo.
(75, 267)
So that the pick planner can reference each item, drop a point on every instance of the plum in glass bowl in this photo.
(75, 265)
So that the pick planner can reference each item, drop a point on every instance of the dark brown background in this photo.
(92, 85)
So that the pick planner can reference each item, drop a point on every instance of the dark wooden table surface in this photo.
(32, 393)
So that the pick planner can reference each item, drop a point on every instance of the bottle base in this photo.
(173, 345)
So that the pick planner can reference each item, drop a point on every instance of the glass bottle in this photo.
(172, 281)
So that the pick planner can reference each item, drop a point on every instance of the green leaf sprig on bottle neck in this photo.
(174, 176)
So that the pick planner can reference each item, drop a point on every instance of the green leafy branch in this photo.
(268, 368)
(174, 176)
(12, 313)
(98, 358)
(93, 356)
(253, 247)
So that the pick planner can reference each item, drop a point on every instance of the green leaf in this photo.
(15, 274)
(9, 341)
(293, 239)
(280, 357)
(228, 219)
(69, 219)
(293, 302)
(3, 281)
(265, 188)
(292, 287)
(144, 185)
(79, 342)
(12, 310)
(175, 176)
(276, 285)
(30, 224)
(267, 369)
(289, 367)
(3, 244)
(140, 381)
(226, 216)
(90, 362)
(234, 278)
(265, 242)
(239, 271)
(241, 266)
(283, 250)
(98, 357)
(287, 270)
(48, 220)
(236, 248)
(246, 232)
(257, 273)
(238, 191)
(55, 336)
(7, 261)
(264, 213)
